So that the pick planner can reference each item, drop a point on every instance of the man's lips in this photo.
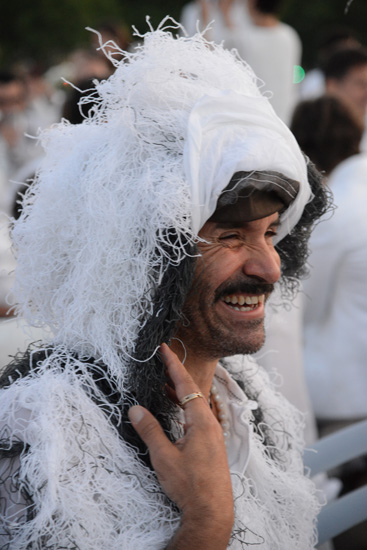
(243, 289)
(241, 302)
(244, 296)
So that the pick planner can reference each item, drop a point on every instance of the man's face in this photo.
(12, 97)
(224, 311)
(352, 89)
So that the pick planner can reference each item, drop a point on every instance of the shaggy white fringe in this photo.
(118, 503)
(276, 501)
(88, 489)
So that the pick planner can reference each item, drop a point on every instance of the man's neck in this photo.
(200, 368)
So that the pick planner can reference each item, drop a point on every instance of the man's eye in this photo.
(230, 240)
(271, 233)
(229, 237)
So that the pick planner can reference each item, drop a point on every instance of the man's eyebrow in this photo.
(237, 224)
(275, 222)
(229, 224)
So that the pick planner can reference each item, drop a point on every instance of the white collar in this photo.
(238, 407)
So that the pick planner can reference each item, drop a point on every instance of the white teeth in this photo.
(241, 300)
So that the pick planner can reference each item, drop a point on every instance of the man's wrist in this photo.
(201, 533)
(203, 530)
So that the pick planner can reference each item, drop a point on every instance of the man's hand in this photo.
(194, 471)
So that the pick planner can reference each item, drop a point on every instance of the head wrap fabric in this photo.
(235, 132)
(177, 118)
(253, 195)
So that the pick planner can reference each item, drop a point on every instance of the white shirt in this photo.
(238, 409)
(336, 299)
(191, 19)
(272, 52)
(282, 354)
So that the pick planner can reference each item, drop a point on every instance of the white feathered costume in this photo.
(174, 122)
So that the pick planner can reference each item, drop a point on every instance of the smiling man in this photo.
(236, 273)
(150, 242)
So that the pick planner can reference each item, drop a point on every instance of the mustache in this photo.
(242, 287)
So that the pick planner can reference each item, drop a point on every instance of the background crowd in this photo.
(316, 347)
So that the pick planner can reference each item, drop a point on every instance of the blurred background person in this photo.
(16, 150)
(114, 35)
(16, 119)
(25, 107)
(346, 77)
(30, 100)
(336, 292)
(77, 66)
(335, 309)
(222, 16)
(313, 84)
(27, 104)
(273, 49)
(282, 357)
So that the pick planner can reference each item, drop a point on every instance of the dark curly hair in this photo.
(269, 6)
(342, 60)
(293, 249)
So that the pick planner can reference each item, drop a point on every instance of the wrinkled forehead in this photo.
(254, 195)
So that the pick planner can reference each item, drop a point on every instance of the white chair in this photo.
(327, 453)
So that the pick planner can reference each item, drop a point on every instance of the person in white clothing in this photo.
(150, 241)
(336, 300)
(221, 17)
(336, 291)
(282, 355)
(273, 49)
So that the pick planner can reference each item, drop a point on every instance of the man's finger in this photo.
(149, 429)
(182, 381)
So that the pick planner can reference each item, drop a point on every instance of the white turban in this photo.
(229, 133)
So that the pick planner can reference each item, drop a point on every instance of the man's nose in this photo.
(263, 263)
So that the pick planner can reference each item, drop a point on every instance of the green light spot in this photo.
(298, 74)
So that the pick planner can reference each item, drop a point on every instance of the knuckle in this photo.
(185, 378)
(208, 425)
(148, 429)
(214, 430)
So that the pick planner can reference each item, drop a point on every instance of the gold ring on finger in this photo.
(189, 397)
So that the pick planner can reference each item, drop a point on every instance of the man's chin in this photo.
(248, 349)
(231, 346)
